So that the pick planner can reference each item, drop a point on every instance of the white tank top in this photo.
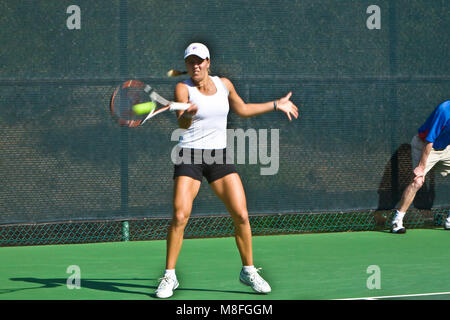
(209, 125)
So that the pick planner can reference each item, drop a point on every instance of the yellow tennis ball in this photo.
(143, 108)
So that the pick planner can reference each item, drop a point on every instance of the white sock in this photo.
(247, 269)
(400, 215)
(170, 273)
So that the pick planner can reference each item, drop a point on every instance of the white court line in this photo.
(399, 296)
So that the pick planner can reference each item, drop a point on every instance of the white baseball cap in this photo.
(197, 49)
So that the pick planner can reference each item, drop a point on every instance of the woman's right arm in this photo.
(184, 117)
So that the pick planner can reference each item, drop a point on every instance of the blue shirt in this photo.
(436, 128)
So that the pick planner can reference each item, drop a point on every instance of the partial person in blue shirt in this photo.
(436, 128)
(429, 148)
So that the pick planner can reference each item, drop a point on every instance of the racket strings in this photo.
(126, 99)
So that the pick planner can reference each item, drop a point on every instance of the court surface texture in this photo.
(320, 266)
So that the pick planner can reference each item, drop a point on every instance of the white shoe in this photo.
(166, 287)
(447, 223)
(397, 227)
(254, 280)
(397, 224)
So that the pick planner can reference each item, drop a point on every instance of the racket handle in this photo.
(179, 106)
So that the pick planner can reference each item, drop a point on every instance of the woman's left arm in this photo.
(245, 110)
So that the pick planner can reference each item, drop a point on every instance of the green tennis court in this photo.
(79, 192)
(306, 266)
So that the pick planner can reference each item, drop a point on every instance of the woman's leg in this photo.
(185, 191)
(231, 191)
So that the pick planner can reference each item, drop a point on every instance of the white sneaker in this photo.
(254, 280)
(397, 225)
(447, 223)
(166, 286)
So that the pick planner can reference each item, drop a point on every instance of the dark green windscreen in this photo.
(362, 94)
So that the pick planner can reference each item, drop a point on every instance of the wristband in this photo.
(275, 107)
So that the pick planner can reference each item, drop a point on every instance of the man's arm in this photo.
(419, 171)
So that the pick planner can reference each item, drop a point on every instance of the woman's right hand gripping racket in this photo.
(134, 102)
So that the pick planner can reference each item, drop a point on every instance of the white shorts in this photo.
(438, 159)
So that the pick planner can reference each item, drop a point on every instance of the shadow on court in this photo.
(109, 285)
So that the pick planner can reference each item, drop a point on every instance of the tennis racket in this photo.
(134, 102)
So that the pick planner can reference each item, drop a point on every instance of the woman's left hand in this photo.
(286, 105)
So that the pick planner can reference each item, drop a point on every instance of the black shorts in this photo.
(199, 163)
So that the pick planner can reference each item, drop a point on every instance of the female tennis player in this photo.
(205, 123)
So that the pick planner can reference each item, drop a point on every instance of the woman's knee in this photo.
(240, 217)
(180, 218)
